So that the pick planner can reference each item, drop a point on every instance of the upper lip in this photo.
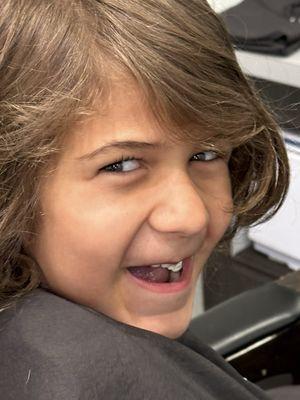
(166, 262)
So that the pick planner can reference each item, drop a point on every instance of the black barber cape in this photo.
(265, 26)
(54, 349)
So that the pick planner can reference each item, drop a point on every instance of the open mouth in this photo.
(164, 278)
(156, 274)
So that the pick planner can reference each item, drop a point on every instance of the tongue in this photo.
(158, 275)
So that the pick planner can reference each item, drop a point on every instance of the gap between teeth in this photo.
(170, 267)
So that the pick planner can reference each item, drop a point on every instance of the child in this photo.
(131, 146)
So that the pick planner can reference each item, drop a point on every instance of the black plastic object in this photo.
(249, 316)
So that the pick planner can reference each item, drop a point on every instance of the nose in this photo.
(179, 208)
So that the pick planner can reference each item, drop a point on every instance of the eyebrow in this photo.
(122, 145)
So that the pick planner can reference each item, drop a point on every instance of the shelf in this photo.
(284, 70)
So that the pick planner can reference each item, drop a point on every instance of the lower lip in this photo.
(169, 287)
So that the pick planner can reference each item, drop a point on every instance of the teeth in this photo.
(170, 267)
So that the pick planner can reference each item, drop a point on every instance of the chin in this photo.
(175, 333)
(171, 325)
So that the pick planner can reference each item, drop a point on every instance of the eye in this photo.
(128, 162)
(116, 166)
(207, 155)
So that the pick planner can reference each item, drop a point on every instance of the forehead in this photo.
(127, 116)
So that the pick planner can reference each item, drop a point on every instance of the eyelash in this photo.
(125, 158)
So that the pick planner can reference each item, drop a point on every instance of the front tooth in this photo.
(172, 267)
(155, 265)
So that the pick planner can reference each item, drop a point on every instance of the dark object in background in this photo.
(225, 276)
(265, 26)
(284, 100)
(257, 332)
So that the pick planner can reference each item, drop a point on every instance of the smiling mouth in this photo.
(155, 274)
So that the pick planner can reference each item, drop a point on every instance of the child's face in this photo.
(97, 223)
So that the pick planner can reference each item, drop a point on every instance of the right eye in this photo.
(116, 166)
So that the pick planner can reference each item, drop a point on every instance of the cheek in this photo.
(82, 229)
(219, 206)
(221, 219)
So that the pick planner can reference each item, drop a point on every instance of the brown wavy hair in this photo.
(57, 62)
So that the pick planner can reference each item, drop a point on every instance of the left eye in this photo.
(207, 155)
(116, 166)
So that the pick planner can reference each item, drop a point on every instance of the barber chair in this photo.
(258, 333)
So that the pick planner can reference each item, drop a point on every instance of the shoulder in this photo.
(43, 318)
(48, 343)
